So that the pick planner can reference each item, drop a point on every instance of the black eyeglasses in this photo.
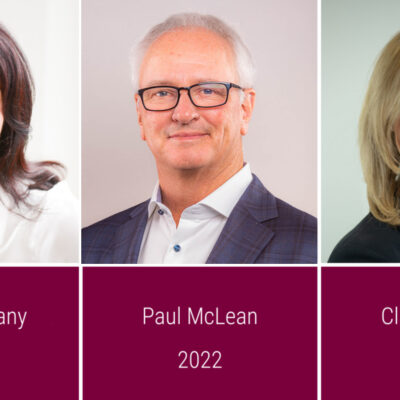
(204, 95)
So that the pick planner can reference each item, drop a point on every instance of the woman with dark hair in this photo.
(38, 214)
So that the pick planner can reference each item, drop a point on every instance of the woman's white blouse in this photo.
(50, 236)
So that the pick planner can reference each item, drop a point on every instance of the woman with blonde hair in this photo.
(377, 237)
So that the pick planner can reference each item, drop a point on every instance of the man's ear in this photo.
(139, 111)
(247, 109)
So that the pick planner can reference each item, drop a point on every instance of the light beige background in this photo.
(353, 34)
(48, 33)
(118, 170)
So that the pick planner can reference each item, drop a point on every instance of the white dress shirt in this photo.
(51, 235)
(199, 226)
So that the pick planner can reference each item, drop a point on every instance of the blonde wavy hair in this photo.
(380, 157)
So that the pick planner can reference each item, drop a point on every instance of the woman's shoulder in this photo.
(58, 199)
(371, 241)
(44, 229)
(57, 226)
(39, 203)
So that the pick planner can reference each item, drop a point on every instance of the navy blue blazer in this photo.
(260, 230)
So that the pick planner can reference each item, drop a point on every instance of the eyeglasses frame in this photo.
(228, 86)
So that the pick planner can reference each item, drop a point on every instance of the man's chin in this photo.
(189, 158)
(189, 166)
(189, 163)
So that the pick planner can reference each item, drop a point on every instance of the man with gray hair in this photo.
(195, 97)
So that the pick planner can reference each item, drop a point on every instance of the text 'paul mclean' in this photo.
(198, 317)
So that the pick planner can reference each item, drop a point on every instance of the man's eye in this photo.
(207, 91)
(162, 93)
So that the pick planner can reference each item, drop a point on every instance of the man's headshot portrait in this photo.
(194, 93)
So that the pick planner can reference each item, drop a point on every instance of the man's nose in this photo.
(185, 111)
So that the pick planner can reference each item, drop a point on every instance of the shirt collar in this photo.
(228, 194)
(222, 200)
(155, 200)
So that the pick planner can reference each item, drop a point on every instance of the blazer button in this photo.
(177, 248)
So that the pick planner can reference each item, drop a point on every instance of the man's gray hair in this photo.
(244, 63)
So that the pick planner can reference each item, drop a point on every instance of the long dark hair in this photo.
(17, 91)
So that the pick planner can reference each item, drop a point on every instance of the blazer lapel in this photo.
(128, 238)
(244, 235)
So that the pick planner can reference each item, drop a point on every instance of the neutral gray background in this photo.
(118, 170)
(353, 34)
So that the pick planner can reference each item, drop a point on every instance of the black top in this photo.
(371, 241)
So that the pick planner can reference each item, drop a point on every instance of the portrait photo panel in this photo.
(118, 170)
(360, 90)
(39, 131)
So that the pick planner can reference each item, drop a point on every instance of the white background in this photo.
(48, 33)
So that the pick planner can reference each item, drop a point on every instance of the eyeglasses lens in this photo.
(202, 95)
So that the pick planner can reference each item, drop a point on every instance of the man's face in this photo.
(188, 137)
